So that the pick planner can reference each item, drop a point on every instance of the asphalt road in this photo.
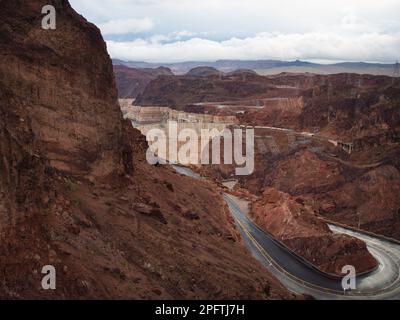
(300, 277)
(297, 276)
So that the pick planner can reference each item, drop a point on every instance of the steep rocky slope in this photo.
(354, 107)
(76, 192)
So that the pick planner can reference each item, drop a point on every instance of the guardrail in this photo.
(353, 293)
(362, 231)
(293, 253)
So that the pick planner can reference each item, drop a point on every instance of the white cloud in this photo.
(366, 30)
(174, 36)
(307, 46)
(124, 26)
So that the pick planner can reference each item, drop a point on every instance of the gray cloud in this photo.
(122, 26)
(172, 30)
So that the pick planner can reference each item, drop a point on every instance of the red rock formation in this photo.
(132, 81)
(369, 202)
(351, 107)
(296, 224)
(76, 193)
(60, 110)
(180, 91)
(203, 72)
(304, 172)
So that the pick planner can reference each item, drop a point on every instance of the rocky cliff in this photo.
(76, 192)
(133, 81)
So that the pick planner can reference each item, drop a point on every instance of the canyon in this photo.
(291, 221)
(77, 193)
(326, 149)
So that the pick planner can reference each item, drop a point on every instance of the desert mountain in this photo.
(271, 67)
(203, 72)
(132, 81)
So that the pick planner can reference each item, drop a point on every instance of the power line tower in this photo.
(396, 69)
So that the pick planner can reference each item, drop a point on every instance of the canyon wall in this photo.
(58, 106)
(132, 81)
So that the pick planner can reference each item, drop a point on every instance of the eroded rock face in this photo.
(304, 172)
(54, 80)
(77, 193)
(295, 223)
(370, 202)
(132, 81)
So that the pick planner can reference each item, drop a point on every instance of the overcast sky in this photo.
(208, 30)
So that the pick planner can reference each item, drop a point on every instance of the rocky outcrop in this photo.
(304, 172)
(352, 107)
(132, 81)
(294, 222)
(203, 72)
(60, 111)
(370, 202)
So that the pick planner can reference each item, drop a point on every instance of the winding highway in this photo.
(300, 277)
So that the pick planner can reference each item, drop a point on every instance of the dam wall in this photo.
(146, 115)
(146, 119)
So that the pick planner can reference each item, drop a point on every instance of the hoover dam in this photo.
(173, 122)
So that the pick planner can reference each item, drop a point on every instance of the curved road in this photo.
(299, 277)
(383, 283)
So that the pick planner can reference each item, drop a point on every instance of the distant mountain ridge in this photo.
(267, 67)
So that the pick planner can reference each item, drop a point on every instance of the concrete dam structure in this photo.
(172, 123)
(153, 115)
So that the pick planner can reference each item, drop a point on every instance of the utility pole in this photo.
(396, 69)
